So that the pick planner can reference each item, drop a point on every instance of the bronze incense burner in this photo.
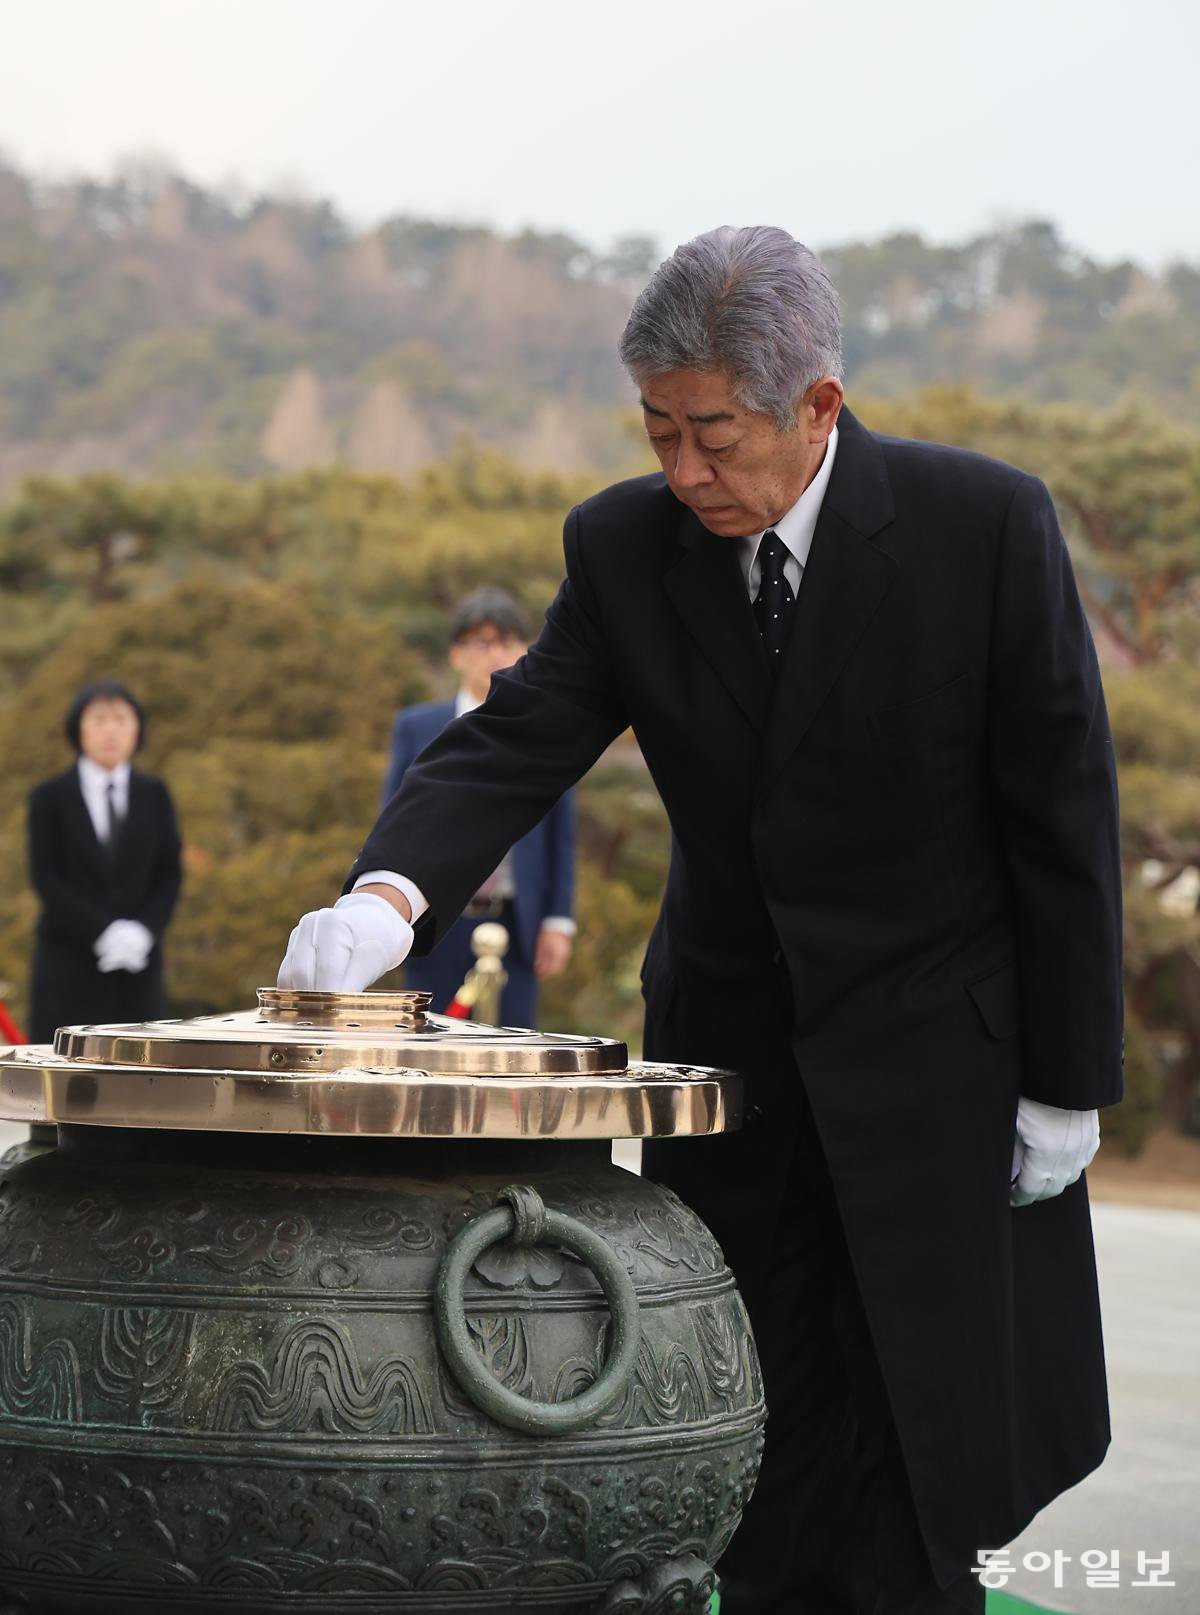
(340, 1306)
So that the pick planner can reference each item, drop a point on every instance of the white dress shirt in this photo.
(795, 529)
(463, 702)
(94, 782)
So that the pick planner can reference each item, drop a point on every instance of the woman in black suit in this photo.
(104, 859)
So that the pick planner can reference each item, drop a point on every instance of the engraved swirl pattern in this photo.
(218, 1386)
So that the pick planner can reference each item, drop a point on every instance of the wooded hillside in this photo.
(148, 326)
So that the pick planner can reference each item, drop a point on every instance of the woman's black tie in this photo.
(114, 824)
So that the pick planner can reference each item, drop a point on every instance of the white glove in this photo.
(1052, 1148)
(347, 947)
(123, 953)
(123, 945)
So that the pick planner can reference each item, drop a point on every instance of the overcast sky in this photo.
(607, 117)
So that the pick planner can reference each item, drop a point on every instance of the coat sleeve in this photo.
(560, 855)
(1054, 779)
(400, 757)
(163, 892)
(489, 777)
(68, 910)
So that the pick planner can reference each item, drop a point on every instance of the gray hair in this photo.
(753, 303)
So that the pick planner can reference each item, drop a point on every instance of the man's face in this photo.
(732, 465)
(108, 732)
(482, 652)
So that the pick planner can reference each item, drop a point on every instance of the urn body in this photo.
(221, 1387)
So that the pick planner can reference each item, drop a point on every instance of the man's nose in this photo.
(693, 468)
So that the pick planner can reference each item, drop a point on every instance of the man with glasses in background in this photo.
(532, 890)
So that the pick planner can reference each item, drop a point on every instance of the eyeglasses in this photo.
(489, 641)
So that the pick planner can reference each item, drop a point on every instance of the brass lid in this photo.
(358, 1064)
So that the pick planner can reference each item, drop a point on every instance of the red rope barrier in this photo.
(10, 1032)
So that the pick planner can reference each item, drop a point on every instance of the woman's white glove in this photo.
(345, 948)
(123, 945)
(1053, 1146)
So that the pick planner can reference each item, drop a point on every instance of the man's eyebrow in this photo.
(696, 420)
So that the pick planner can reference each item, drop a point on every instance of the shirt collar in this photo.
(796, 526)
(464, 701)
(99, 779)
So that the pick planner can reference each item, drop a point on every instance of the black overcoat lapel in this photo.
(845, 581)
(138, 821)
(708, 591)
(79, 822)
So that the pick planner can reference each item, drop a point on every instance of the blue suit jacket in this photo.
(543, 860)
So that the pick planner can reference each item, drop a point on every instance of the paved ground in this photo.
(1147, 1494)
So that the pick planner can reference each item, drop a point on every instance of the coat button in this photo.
(777, 958)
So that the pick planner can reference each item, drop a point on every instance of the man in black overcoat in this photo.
(864, 686)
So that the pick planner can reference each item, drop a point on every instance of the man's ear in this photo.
(824, 402)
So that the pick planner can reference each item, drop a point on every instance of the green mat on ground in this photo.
(997, 1604)
(1006, 1604)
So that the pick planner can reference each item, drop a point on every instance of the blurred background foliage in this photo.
(249, 459)
(273, 628)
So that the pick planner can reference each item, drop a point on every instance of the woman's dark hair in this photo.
(101, 690)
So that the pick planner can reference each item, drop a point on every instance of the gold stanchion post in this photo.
(489, 944)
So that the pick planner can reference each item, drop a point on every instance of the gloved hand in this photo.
(1052, 1148)
(347, 947)
(123, 945)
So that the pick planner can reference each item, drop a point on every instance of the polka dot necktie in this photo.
(775, 605)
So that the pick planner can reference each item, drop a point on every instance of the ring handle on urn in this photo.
(524, 1218)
